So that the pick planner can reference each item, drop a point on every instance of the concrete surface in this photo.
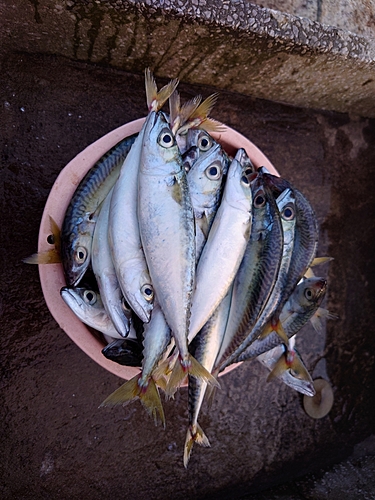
(231, 44)
(55, 442)
(357, 16)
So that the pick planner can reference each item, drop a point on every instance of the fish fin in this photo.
(316, 319)
(290, 360)
(176, 378)
(199, 371)
(279, 368)
(124, 394)
(150, 399)
(47, 257)
(274, 326)
(189, 108)
(155, 99)
(148, 395)
(194, 435)
(210, 125)
(204, 109)
(210, 394)
(51, 256)
(192, 368)
(321, 260)
(161, 382)
(174, 110)
(165, 368)
(309, 273)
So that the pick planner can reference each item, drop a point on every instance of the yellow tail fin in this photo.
(194, 435)
(274, 326)
(155, 99)
(51, 256)
(289, 360)
(148, 395)
(181, 371)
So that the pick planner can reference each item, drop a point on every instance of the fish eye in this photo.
(245, 180)
(213, 172)
(259, 201)
(166, 139)
(89, 297)
(309, 294)
(249, 171)
(148, 292)
(288, 213)
(80, 255)
(204, 143)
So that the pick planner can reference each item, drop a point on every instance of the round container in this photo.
(52, 275)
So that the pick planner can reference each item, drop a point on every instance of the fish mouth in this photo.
(321, 287)
(72, 297)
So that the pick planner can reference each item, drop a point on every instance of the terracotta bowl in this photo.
(52, 275)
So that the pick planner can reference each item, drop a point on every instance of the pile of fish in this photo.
(188, 260)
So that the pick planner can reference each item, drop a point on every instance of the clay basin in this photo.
(52, 275)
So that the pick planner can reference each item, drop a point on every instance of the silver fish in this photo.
(87, 305)
(83, 210)
(104, 270)
(124, 238)
(224, 249)
(166, 222)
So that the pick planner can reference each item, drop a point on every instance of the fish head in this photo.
(76, 255)
(160, 154)
(310, 292)
(237, 191)
(82, 301)
(261, 207)
(205, 177)
(200, 139)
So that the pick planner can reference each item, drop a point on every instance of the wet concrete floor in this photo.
(55, 442)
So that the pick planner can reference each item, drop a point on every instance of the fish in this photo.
(83, 210)
(123, 231)
(257, 274)
(304, 250)
(287, 365)
(143, 386)
(167, 230)
(301, 306)
(283, 360)
(205, 347)
(205, 180)
(224, 249)
(105, 273)
(88, 306)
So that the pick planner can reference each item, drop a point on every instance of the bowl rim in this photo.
(52, 275)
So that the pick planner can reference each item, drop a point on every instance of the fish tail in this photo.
(184, 368)
(274, 326)
(148, 395)
(51, 256)
(194, 434)
(165, 92)
(151, 88)
(150, 399)
(321, 260)
(289, 360)
(204, 109)
(199, 371)
(210, 125)
(174, 110)
(124, 394)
